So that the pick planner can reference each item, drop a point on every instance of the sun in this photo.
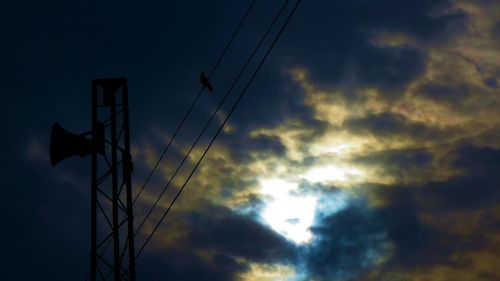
(289, 214)
(292, 213)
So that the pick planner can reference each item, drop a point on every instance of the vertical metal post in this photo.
(93, 200)
(128, 181)
(114, 173)
(106, 100)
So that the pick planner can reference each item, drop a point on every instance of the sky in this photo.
(366, 148)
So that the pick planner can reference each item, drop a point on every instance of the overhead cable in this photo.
(188, 112)
(235, 81)
(222, 125)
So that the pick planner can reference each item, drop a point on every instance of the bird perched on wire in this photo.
(204, 81)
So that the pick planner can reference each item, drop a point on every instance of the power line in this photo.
(247, 63)
(232, 38)
(188, 112)
(222, 125)
(168, 145)
(219, 60)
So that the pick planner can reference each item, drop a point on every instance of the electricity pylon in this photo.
(112, 220)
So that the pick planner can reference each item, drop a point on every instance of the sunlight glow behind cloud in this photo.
(332, 173)
(263, 272)
(290, 215)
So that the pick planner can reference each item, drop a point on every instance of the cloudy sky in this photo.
(367, 147)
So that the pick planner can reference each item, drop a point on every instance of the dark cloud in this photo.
(449, 93)
(390, 69)
(419, 244)
(490, 221)
(351, 242)
(478, 161)
(242, 146)
(179, 265)
(477, 188)
(336, 42)
(491, 82)
(488, 136)
(227, 237)
(347, 243)
(387, 125)
(221, 230)
(398, 162)
(272, 100)
(267, 144)
(416, 244)
(495, 32)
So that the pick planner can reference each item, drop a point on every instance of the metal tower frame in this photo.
(112, 220)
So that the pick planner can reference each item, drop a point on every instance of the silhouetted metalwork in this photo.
(64, 144)
(204, 81)
(112, 221)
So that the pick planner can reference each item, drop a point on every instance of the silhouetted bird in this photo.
(204, 81)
